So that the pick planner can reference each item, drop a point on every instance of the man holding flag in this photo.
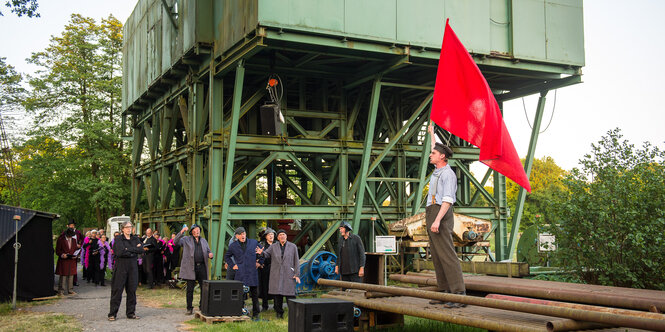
(464, 105)
(440, 221)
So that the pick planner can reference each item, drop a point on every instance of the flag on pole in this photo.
(464, 105)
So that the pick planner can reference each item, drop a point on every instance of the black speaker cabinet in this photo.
(271, 122)
(320, 315)
(222, 298)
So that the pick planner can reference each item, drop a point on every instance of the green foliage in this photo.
(22, 7)
(75, 100)
(11, 92)
(613, 216)
(10, 85)
(48, 175)
(546, 181)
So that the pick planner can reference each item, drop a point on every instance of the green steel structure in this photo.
(357, 80)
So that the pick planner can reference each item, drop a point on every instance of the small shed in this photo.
(35, 264)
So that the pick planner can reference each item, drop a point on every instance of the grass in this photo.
(165, 297)
(24, 320)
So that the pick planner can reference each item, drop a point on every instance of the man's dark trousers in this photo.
(200, 274)
(278, 303)
(352, 277)
(148, 260)
(125, 276)
(254, 294)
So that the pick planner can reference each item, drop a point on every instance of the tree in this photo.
(22, 7)
(613, 215)
(75, 98)
(47, 176)
(546, 180)
(11, 92)
(10, 86)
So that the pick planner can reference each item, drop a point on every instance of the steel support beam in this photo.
(369, 134)
(230, 160)
(528, 164)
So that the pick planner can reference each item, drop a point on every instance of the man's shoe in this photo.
(71, 293)
(111, 318)
(133, 317)
(435, 302)
(189, 312)
(280, 316)
(450, 305)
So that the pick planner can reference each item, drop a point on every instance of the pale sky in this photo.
(623, 42)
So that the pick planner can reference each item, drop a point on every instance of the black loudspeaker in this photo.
(271, 120)
(222, 298)
(320, 315)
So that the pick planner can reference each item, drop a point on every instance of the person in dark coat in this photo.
(93, 259)
(194, 265)
(351, 255)
(264, 269)
(85, 250)
(65, 248)
(149, 258)
(126, 248)
(158, 260)
(244, 252)
(284, 270)
(79, 240)
(230, 272)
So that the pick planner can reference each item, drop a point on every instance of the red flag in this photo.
(465, 106)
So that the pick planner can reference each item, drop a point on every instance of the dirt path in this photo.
(91, 307)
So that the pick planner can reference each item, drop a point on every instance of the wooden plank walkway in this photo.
(220, 319)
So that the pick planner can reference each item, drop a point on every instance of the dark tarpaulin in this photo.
(35, 267)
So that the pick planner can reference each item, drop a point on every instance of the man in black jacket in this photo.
(351, 255)
(126, 248)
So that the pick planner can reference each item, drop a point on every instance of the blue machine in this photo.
(322, 265)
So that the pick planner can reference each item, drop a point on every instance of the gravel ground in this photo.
(91, 307)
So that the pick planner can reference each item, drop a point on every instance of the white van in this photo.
(113, 225)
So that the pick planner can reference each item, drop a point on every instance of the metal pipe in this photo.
(440, 315)
(577, 306)
(576, 314)
(557, 324)
(371, 295)
(625, 301)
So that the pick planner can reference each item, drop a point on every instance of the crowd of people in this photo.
(269, 267)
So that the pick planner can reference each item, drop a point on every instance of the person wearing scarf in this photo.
(83, 254)
(172, 254)
(104, 259)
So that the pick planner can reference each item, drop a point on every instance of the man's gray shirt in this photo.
(445, 189)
